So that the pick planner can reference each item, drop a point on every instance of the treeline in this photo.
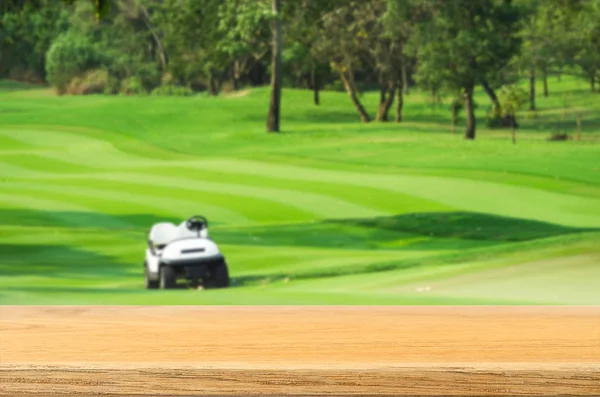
(178, 47)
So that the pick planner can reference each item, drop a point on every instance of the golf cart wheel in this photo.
(168, 278)
(150, 284)
(219, 276)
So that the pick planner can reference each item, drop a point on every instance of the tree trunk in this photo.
(382, 99)
(351, 90)
(404, 79)
(545, 76)
(386, 101)
(470, 131)
(453, 120)
(560, 68)
(275, 104)
(212, 84)
(492, 95)
(162, 53)
(315, 86)
(532, 89)
(43, 66)
(593, 83)
(390, 101)
(400, 102)
(381, 116)
(513, 128)
(235, 75)
(506, 121)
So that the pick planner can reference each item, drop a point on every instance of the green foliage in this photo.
(101, 7)
(457, 104)
(512, 99)
(70, 55)
(246, 28)
(96, 81)
(587, 37)
(172, 90)
(303, 23)
(461, 43)
(26, 35)
(133, 86)
(442, 46)
(191, 36)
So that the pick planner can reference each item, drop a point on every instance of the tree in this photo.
(382, 54)
(459, 46)
(303, 57)
(246, 31)
(275, 103)
(545, 28)
(512, 99)
(499, 70)
(137, 11)
(587, 39)
(101, 7)
(183, 22)
(26, 33)
(399, 23)
(344, 42)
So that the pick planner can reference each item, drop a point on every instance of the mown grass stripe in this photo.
(76, 154)
(40, 162)
(480, 196)
(59, 210)
(379, 198)
(319, 205)
(231, 209)
(149, 208)
(123, 143)
(14, 172)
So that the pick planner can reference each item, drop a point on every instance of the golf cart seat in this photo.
(163, 233)
(184, 232)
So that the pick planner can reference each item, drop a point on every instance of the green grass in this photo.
(329, 212)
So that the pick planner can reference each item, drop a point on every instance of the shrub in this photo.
(91, 82)
(493, 119)
(559, 136)
(69, 56)
(172, 90)
(456, 106)
(336, 86)
(132, 86)
(113, 86)
(24, 75)
(148, 75)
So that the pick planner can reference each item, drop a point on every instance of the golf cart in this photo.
(183, 252)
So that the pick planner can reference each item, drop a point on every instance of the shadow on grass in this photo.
(311, 116)
(75, 219)
(469, 235)
(553, 123)
(418, 231)
(466, 225)
(258, 279)
(56, 261)
(66, 262)
(11, 85)
(403, 231)
(449, 236)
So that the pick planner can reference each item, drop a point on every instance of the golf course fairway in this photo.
(330, 211)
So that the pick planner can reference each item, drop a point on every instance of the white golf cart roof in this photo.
(165, 232)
